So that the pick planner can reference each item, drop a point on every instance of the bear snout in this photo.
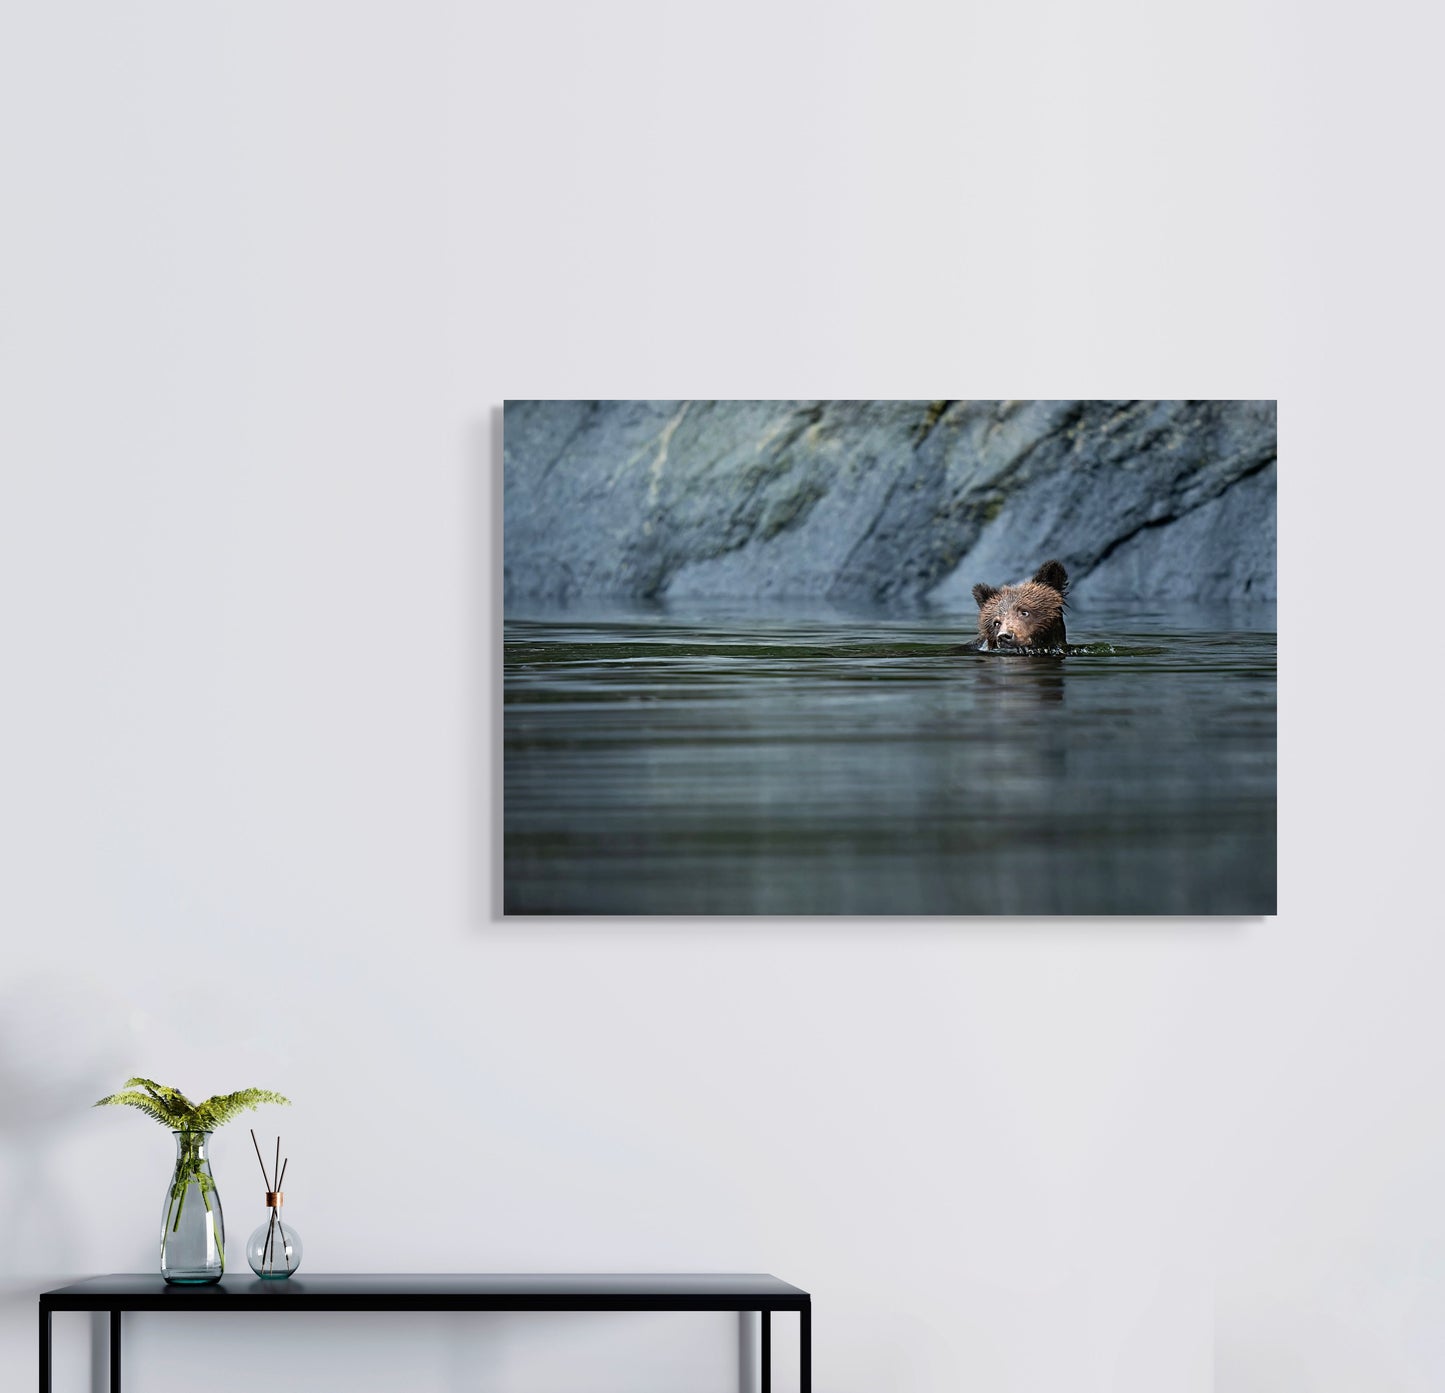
(1005, 639)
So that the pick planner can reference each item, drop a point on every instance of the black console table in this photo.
(729, 1291)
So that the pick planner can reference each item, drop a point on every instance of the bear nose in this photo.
(1005, 636)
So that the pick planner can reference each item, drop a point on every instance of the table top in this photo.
(444, 1291)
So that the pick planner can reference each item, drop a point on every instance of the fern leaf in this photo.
(214, 1112)
(142, 1101)
(172, 1099)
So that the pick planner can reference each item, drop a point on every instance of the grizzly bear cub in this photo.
(1029, 615)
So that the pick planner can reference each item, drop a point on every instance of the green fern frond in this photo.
(144, 1102)
(215, 1112)
(172, 1099)
(172, 1109)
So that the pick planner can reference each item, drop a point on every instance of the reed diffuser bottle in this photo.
(274, 1249)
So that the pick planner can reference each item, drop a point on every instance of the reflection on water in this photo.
(728, 762)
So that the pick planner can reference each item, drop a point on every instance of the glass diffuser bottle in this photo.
(274, 1249)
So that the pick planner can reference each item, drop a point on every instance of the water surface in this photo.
(721, 760)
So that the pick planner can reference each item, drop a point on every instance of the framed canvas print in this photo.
(889, 657)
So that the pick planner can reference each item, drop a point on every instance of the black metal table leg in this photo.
(44, 1350)
(805, 1349)
(115, 1352)
(765, 1382)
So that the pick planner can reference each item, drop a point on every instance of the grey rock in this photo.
(887, 500)
(1222, 550)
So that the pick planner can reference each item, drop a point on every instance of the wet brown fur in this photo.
(1027, 615)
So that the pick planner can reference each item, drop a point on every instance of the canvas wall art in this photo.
(889, 658)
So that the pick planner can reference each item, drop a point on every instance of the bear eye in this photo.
(1024, 612)
(995, 623)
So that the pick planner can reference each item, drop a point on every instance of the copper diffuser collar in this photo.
(275, 1199)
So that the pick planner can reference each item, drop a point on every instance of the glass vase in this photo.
(274, 1250)
(193, 1232)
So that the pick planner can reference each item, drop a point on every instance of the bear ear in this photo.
(1052, 574)
(982, 594)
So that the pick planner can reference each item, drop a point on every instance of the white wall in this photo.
(266, 272)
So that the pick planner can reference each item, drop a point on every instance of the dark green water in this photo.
(731, 761)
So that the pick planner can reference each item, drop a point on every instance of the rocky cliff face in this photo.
(888, 500)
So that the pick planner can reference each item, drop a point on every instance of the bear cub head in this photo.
(1027, 615)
